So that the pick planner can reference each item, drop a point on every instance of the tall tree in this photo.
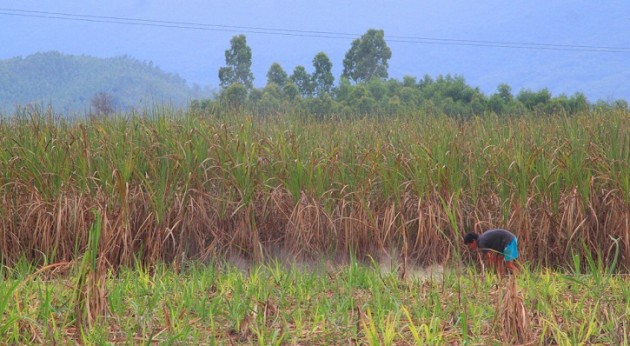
(367, 57)
(277, 75)
(239, 61)
(322, 78)
(302, 80)
(505, 92)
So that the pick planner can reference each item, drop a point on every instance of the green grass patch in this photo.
(274, 304)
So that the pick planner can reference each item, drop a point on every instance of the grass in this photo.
(103, 224)
(178, 186)
(275, 304)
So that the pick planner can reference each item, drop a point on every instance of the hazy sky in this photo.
(197, 55)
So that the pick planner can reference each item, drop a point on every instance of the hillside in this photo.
(69, 82)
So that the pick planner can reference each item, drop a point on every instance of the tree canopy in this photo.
(239, 62)
(323, 79)
(277, 75)
(302, 80)
(365, 90)
(367, 57)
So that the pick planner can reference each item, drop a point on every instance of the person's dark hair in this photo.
(470, 237)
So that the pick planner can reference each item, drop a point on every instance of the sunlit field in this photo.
(125, 229)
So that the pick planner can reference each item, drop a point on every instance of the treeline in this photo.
(449, 95)
(365, 89)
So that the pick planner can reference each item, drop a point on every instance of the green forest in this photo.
(364, 88)
(89, 85)
(69, 83)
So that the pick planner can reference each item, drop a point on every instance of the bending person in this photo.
(498, 246)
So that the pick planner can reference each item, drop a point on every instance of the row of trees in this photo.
(367, 59)
(364, 88)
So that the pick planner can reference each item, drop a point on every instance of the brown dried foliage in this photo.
(512, 319)
(193, 227)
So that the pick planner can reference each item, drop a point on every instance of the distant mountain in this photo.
(69, 82)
